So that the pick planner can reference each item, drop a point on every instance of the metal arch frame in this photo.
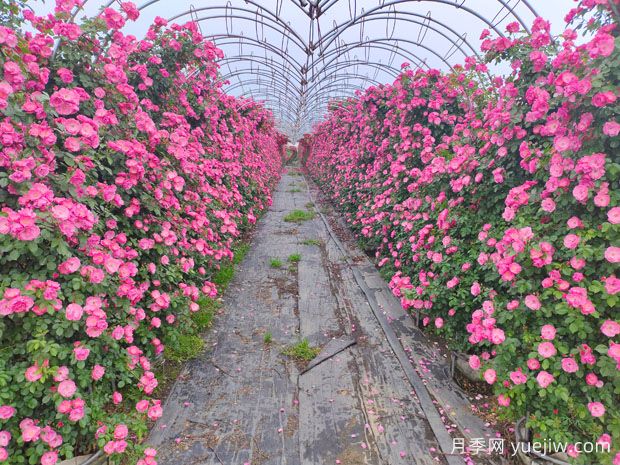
(324, 90)
(253, 59)
(280, 73)
(301, 44)
(375, 17)
(388, 69)
(378, 66)
(339, 29)
(252, 41)
(326, 5)
(283, 79)
(328, 88)
(294, 87)
(387, 39)
(396, 50)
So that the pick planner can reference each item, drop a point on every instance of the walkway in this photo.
(384, 399)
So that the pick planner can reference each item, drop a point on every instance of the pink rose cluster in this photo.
(494, 213)
(125, 186)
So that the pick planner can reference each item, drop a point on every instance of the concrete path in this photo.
(383, 398)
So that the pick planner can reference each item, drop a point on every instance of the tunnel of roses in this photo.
(128, 176)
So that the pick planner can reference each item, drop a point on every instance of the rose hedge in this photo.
(492, 207)
(126, 176)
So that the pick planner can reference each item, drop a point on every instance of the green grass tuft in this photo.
(294, 258)
(224, 276)
(302, 351)
(203, 318)
(275, 263)
(297, 216)
(316, 242)
(267, 338)
(240, 251)
(186, 347)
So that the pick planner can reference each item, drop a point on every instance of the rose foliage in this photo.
(126, 175)
(492, 207)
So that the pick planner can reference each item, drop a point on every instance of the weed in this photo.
(275, 263)
(316, 242)
(309, 205)
(240, 251)
(294, 257)
(297, 216)
(224, 275)
(267, 338)
(186, 347)
(295, 189)
(202, 318)
(302, 351)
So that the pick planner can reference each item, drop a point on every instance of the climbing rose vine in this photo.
(492, 207)
(126, 174)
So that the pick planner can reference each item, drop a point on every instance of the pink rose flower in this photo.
(548, 332)
(610, 328)
(30, 431)
(546, 349)
(596, 409)
(65, 101)
(569, 365)
(490, 376)
(120, 431)
(6, 412)
(97, 372)
(49, 458)
(518, 377)
(474, 362)
(67, 388)
(548, 205)
(533, 364)
(503, 400)
(5, 438)
(612, 254)
(142, 406)
(532, 302)
(612, 285)
(113, 19)
(571, 241)
(544, 379)
(69, 266)
(33, 373)
(73, 312)
(611, 128)
(81, 353)
(155, 412)
(475, 289)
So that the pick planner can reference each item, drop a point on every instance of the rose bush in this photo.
(492, 208)
(126, 176)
